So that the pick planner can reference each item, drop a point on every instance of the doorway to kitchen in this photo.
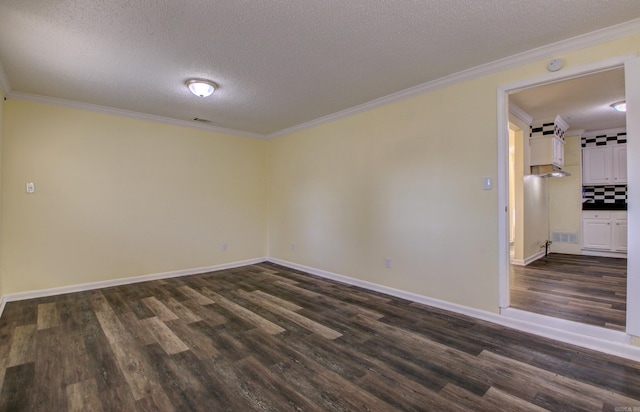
(554, 290)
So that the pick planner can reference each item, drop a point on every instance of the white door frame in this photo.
(631, 64)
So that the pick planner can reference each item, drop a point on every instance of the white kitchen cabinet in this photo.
(619, 235)
(620, 164)
(558, 152)
(546, 150)
(596, 231)
(596, 165)
(604, 165)
(604, 231)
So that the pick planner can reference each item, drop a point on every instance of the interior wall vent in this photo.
(564, 237)
(201, 120)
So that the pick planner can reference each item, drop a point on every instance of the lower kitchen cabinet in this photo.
(604, 231)
(619, 234)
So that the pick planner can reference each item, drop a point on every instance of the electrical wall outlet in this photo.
(293, 246)
(223, 246)
(387, 262)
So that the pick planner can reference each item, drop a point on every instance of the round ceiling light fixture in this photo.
(202, 88)
(620, 106)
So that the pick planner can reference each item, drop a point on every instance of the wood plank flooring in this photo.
(585, 289)
(264, 337)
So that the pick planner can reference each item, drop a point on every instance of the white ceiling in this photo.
(279, 63)
(583, 102)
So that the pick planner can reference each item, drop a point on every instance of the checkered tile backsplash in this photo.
(605, 194)
(604, 140)
(546, 129)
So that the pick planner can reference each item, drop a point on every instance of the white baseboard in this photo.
(604, 254)
(600, 339)
(567, 325)
(121, 281)
(453, 307)
(525, 262)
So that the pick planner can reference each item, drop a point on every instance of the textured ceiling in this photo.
(279, 63)
(584, 102)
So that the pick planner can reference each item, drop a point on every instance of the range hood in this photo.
(548, 171)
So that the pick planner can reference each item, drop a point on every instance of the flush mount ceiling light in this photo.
(202, 88)
(620, 106)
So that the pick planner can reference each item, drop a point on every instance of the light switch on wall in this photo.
(487, 183)
(31, 187)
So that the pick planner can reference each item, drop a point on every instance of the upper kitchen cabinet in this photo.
(547, 150)
(604, 165)
(547, 143)
(620, 164)
(596, 165)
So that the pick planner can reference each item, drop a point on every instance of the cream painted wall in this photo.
(404, 181)
(118, 197)
(512, 185)
(521, 168)
(565, 196)
(536, 215)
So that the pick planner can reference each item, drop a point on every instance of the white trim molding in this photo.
(604, 254)
(600, 339)
(567, 325)
(564, 46)
(525, 262)
(520, 114)
(128, 113)
(608, 132)
(610, 342)
(503, 91)
(122, 281)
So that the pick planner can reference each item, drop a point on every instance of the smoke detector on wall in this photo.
(555, 65)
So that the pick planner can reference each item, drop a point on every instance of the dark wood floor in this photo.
(585, 289)
(268, 338)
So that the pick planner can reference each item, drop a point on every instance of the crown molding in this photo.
(564, 46)
(578, 132)
(128, 113)
(561, 122)
(608, 132)
(520, 114)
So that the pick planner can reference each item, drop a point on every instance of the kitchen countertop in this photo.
(604, 206)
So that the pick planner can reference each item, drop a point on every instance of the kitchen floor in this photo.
(585, 289)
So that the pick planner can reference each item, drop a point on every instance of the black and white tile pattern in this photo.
(605, 194)
(604, 139)
(546, 129)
